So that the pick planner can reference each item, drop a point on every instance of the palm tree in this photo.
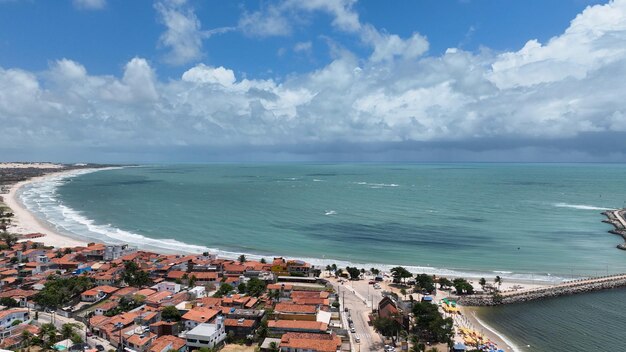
(8, 238)
(482, 282)
(26, 338)
(48, 334)
(329, 268)
(403, 293)
(242, 259)
(67, 330)
(498, 280)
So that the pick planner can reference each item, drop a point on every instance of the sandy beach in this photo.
(25, 222)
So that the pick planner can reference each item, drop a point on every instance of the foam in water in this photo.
(40, 197)
(580, 206)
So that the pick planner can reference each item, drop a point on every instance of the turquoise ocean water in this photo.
(532, 221)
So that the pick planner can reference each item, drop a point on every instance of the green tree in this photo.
(424, 282)
(444, 283)
(58, 292)
(48, 335)
(242, 287)
(8, 302)
(400, 274)
(242, 259)
(224, 290)
(68, 329)
(170, 313)
(255, 287)
(387, 326)
(403, 292)
(482, 282)
(8, 238)
(26, 338)
(134, 276)
(354, 272)
(462, 286)
(374, 271)
(263, 261)
(498, 281)
(192, 281)
(329, 268)
(273, 347)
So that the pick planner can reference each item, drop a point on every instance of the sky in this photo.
(315, 80)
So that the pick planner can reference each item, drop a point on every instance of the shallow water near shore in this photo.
(587, 322)
(525, 221)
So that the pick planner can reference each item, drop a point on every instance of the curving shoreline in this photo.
(25, 222)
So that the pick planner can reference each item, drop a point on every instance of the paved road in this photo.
(46, 318)
(358, 311)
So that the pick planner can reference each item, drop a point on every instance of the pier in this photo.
(617, 219)
(563, 289)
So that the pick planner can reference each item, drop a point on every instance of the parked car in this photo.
(352, 329)
(357, 339)
(100, 348)
(372, 282)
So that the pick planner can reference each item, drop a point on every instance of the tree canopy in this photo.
(58, 292)
(400, 274)
(134, 276)
(354, 272)
(462, 286)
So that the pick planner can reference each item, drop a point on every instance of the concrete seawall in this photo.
(564, 289)
(617, 219)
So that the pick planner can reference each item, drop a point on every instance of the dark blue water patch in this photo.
(468, 219)
(392, 233)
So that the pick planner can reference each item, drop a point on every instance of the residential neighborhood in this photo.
(116, 297)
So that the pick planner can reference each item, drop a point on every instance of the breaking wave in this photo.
(580, 206)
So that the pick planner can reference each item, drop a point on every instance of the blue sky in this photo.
(176, 80)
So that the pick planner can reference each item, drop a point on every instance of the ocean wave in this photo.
(41, 198)
(580, 206)
(377, 185)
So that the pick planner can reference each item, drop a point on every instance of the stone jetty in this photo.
(563, 289)
(617, 218)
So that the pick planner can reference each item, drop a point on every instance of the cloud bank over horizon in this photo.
(561, 100)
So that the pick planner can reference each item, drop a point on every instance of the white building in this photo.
(7, 317)
(112, 252)
(167, 286)
(207, 335)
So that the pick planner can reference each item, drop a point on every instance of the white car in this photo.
(352, 330)
(357, 339)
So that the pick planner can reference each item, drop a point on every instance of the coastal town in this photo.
(58, 293)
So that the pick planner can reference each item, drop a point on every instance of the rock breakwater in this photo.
(564, 289)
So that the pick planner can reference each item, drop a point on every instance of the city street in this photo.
(358, 310)
(46, 318)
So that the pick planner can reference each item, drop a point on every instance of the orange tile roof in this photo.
(146, 292)
(106, 289)
(295, 308)
(200, 314)
(167, 341)
(248, 323)
(286, 287)
(313, 342)
(210, 302)
(297, 325)
(137, 340)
